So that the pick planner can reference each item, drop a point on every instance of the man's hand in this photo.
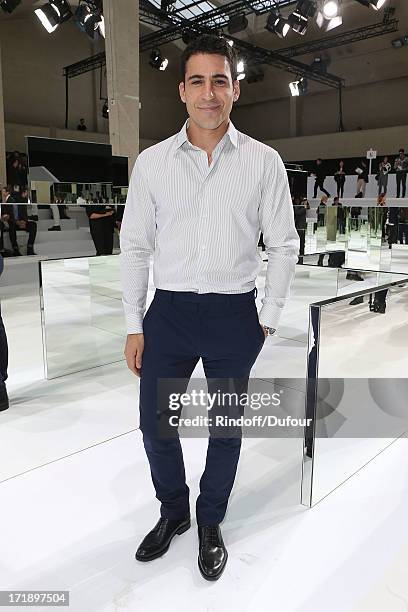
(264, 330)
(5, 217)
(134, 351)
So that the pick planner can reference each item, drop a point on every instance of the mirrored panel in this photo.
(82, 314)
(357, 384)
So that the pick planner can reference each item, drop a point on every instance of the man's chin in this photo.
(209, 124)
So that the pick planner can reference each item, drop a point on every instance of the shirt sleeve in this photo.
(137, 240)
(280, 238)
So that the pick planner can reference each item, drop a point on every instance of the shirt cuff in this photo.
(270, 315)
(134, 322)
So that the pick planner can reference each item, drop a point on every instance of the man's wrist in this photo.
(268, 330)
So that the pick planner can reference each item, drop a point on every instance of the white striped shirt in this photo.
(201, 223)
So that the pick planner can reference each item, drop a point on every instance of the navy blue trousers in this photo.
(3, 353)
(180, 328)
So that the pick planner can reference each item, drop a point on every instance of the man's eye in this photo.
(196, 82)
(220, 82)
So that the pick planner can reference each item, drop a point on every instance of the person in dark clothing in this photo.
(299, 211)
(120, 209)
(14, 214)
(340, 178)
(341, 216)
(101, 224)
(320, 176)
(401, 169)
(14, 173)
(4, 400)
(392, 225)
(403, 225)
(362, 180)
(81, 125)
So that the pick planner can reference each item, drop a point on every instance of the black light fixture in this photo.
(320, 65)
(8, 6)
(53, 14)
(375, 4)
(299, 18)
(329, 16)
(157, 61)
(165, 5)
(277, 24)
(303, 86)
(240, 70)
(299, 87)
(105, 110)
(237, 23)
(89, 18)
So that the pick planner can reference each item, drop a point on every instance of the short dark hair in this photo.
(212, 45)
(401, 151)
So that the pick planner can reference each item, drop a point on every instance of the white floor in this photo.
(75, 525)
(76, 495)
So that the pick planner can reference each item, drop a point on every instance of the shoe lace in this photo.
(161, 526)
(210, 535)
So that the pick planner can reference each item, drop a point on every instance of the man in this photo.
(4, 400)
(320, 177)
(15, 215)
(81, 125)
(341, 216)
(401, 169)
(197, 202)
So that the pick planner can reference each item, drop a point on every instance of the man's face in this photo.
(208, 90)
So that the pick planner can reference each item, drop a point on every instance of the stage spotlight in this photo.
(298, 19)
(236, 24)
(101, 26)
(300, 87)
(328, 24)
(105, 110)
(330, 9)
(303, 86)
(298, 23)
(8, 6)
(277, 24)
(240, 70)
(294, 88)
(89, 19)
(397, 43)
(320, 65)
(375, 4)
(53, 13)
(157, 61)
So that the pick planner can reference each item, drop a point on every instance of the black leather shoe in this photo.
(30, 250)
(4, 400)
(212, 554)
(16, 252)
(54, 228)
(157, 541)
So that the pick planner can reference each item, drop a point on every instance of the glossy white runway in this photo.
(76, 496)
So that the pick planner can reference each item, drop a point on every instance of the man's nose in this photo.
(208, 92)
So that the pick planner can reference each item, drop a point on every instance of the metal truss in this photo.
(344, 38)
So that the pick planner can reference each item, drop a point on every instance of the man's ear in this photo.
(237, 91)
(182, 92)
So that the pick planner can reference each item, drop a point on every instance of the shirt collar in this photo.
(182, 137)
